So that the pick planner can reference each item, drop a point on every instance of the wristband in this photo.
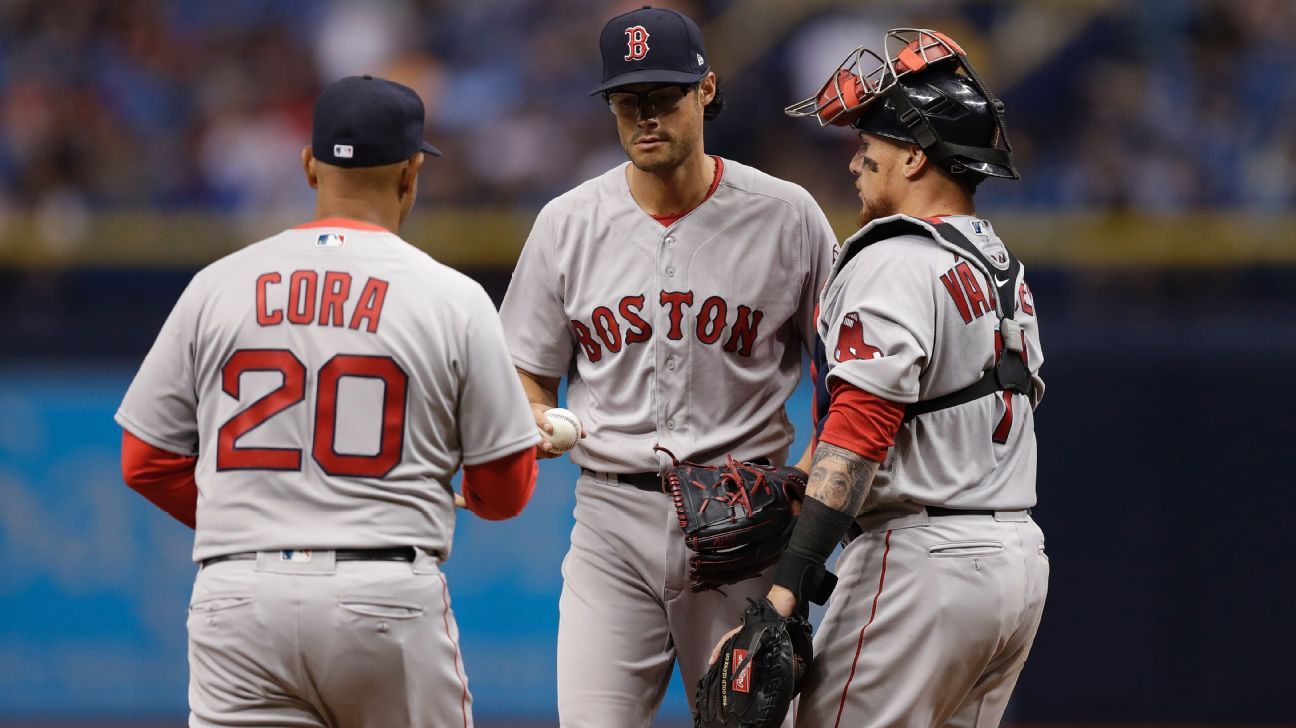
(801, 569)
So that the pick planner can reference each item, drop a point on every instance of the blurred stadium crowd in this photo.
(141, 139)
(183, 104)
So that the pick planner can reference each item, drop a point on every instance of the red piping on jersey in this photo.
(165, 478)
(674, 217)
(860, 646)
(500, 488)
(863, 423)
(342, 222)
(445, 618)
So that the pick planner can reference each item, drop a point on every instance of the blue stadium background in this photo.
(140, 140)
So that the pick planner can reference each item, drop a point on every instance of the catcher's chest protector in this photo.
(1010, 371)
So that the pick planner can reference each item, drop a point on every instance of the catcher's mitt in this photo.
(758, 672)
(737, 517)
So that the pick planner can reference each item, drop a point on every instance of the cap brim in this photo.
(651, 75)
(428, 148)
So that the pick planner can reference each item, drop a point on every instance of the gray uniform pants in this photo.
(626, 614)
(363, 644)
(930, 623)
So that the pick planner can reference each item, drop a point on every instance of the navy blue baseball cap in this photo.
(651, 45)
(363, 121)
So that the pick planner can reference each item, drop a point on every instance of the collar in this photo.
(342, 222)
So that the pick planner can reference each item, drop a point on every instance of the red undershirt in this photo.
(342, 222)
(163, 477)
(672, 218)
(494, 490)
(861, 422)
(500, 488)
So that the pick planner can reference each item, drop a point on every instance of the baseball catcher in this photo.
(927, 455)
(737, 517)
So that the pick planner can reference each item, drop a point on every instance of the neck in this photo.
(674, 190)
(946, 198)
(385, 213)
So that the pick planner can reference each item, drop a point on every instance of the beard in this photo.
(670, 155)
(874, 208)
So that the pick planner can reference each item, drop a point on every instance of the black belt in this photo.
(400, 553)
(936, 511)
(651, 482)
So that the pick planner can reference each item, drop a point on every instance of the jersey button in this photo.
(670, 242)
(670, 363)
(670, 424)
(670, 271)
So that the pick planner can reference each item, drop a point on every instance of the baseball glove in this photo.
(737, 517)
(759, 671)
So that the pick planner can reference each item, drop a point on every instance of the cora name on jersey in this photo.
(614, 331)
(305, 296)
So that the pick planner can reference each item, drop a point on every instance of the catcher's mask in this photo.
(925, 93)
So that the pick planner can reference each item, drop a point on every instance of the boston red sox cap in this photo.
(651, 45)
(363, 121)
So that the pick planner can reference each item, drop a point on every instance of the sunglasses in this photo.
(657, 102)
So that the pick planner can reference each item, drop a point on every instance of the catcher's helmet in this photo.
(927, 93)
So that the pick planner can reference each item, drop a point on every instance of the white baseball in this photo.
(566, 429)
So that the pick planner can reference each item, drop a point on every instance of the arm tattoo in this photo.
(840, 479)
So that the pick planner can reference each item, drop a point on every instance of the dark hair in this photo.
(717, 104)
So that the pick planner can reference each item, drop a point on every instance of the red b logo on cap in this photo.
(637, 39)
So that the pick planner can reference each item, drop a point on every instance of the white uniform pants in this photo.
(626, 614)
(930, 623)
(352, 644)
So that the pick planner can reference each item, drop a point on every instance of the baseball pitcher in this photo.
(926, 459)
(677, 293)
(304, 408)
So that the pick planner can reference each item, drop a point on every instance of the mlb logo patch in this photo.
(978, 228)
(343, 151)
(296, 557)
(330, 240)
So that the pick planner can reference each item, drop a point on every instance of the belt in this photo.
(937, 511)
(855, 530)
(650, 482)
(399, 553)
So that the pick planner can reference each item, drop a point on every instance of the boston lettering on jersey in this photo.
(325, 300)
(615, 330)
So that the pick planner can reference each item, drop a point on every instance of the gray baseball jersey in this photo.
(907, 319)
(935, 611)
(331, 380)
(688, 336)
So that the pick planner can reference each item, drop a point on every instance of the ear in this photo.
(308, 166)
(406, 185)
(914, 162)
(707, 88)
